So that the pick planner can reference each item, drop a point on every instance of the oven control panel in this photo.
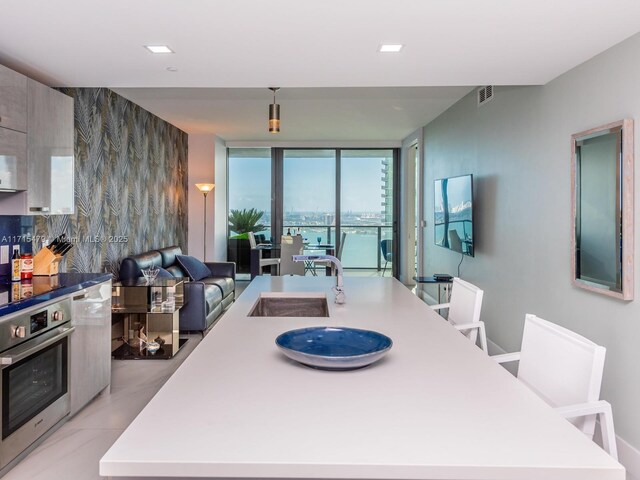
(39, 321)
(30, 322)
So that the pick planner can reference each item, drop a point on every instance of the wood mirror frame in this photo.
(602, 209)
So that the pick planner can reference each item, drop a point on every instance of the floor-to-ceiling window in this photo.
(309, 194)
(249, 191)
(322, 194)
(366, 206)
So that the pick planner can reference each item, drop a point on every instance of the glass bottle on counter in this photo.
(15, 264)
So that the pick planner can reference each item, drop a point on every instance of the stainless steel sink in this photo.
(278, 304)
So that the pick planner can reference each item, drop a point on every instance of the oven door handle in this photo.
(30, 347)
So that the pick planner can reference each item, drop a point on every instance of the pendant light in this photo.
(274, 113)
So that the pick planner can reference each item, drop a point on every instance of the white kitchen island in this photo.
(436, 407)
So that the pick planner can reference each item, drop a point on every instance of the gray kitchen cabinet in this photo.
(49, 156)
(90, 363)
(49, 150)
(13, 100)
(13, 160)
(13, 125)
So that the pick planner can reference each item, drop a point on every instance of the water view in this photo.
(309, 187)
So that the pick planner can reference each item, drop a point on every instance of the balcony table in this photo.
(436, 407)
(256, 254)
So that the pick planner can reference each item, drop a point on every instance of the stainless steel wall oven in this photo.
(34, 385)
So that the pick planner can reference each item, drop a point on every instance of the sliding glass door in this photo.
(323, 194)
(366, 208)
(309, 194)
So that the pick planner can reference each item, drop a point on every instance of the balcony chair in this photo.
(387, 253)
(289, 246)
(264, 262)
(565, 370)
(464, 311)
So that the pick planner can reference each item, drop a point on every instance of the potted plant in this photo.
(241, 222)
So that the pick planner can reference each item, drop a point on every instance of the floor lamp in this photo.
(205, 188)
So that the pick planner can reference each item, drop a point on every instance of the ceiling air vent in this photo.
(485, 94)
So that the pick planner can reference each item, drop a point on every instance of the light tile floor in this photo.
(73, 451)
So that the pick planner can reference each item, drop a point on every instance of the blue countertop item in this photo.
(334, 348)
(18, 295)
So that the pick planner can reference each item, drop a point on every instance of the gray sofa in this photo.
(205, 299)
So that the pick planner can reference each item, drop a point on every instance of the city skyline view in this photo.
(308, 184)
(309, 196)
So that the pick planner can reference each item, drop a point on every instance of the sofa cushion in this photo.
(225, 284)
(193, 267)
(162, 273)
(212, 297)
(176, 271)
(169, 254)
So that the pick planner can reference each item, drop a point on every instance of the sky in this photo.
(309, 184)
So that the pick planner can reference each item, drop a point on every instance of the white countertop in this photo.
(436, 407)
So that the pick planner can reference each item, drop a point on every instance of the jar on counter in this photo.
(26, 289)
(26, 266)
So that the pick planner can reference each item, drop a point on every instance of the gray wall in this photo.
(517, 146)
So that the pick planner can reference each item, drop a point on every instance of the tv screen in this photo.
(453, 213)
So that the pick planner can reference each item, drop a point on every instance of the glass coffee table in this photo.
(148, 312)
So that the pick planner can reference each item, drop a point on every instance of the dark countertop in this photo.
(49, 288)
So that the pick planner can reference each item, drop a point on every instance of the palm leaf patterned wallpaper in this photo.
(130, 183)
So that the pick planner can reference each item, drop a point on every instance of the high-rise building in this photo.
(387, 190)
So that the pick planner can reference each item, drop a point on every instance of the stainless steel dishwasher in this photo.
(90, 344)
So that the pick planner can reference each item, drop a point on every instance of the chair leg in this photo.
(385, 268)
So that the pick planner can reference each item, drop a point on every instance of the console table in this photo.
(441, 283)
(148, 311)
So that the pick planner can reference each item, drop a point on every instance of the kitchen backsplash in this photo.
(14, 230)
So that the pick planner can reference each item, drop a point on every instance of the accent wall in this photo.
(130, 183)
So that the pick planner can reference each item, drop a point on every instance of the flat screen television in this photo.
(453, 213)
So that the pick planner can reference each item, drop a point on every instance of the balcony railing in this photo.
(362, 244)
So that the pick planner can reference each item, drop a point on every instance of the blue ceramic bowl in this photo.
(334, 348)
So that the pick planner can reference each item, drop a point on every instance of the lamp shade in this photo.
(274, 113)
(205, 187)
(274, 118)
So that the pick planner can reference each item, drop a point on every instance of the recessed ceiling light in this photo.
(158, 49)
(390, 47)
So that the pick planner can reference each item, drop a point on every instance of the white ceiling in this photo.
(228, 52)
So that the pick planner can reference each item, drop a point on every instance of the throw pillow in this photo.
(194, 267)
(162, 273)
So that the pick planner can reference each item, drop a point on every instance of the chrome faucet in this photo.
(338, 289)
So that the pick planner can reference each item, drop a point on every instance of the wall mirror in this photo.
(602, 205)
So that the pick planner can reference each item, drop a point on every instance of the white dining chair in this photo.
(565, 370)
(464, 311)
(264, 262)
(289, 246)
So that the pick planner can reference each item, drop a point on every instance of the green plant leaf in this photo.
(246, 220)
